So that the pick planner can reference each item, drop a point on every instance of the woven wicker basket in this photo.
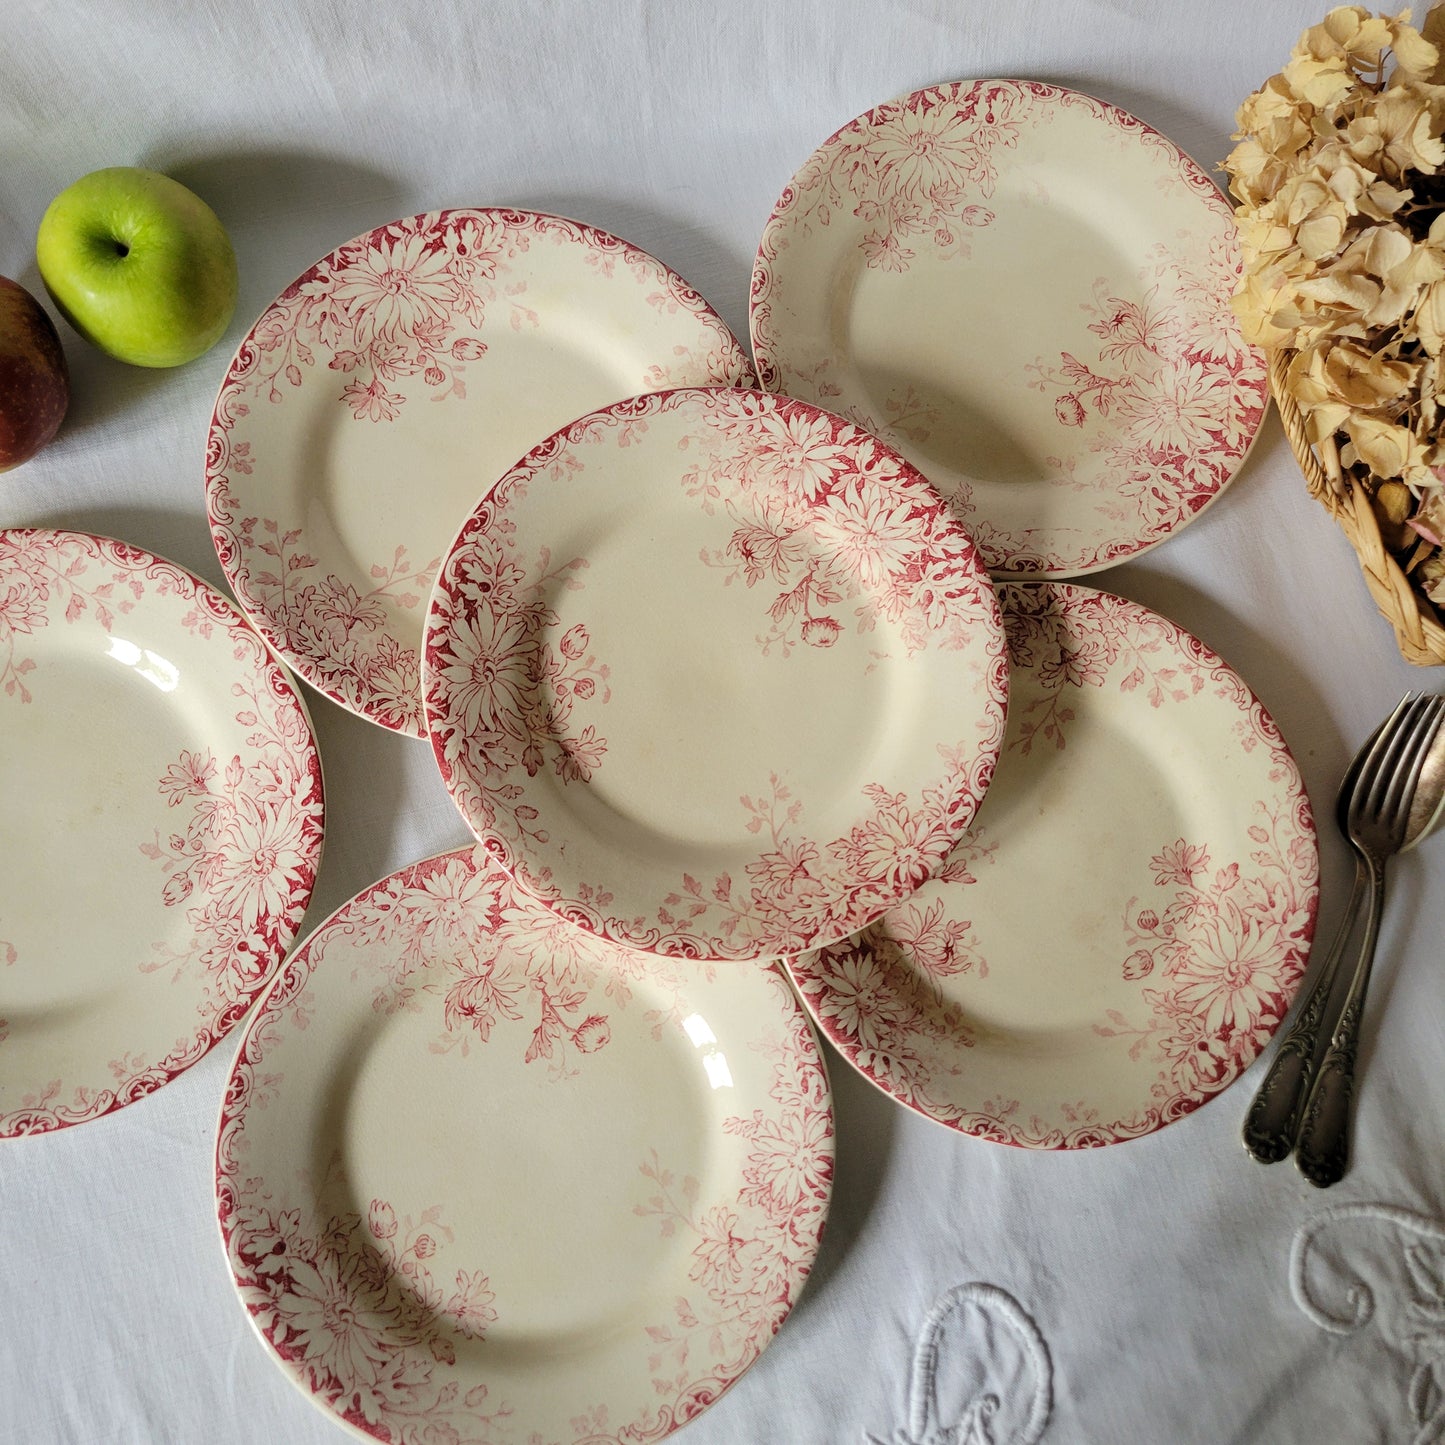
(1418, 630)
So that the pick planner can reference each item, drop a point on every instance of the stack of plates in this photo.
(732, 686)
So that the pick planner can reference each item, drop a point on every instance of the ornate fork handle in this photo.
(1323, 1149)
(1273, 1120)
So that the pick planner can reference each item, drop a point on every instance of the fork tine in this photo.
(1412, 762)
(1382, 794)
(1379, 762)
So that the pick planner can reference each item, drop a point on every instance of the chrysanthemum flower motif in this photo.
(1235, 973)
(261, 856)
(578, 758)
(785, 1162)
(770, 544)
(891, 848)
(393, 675)
(1069, 410)
(371, 401)
(1201, 311)
(821, 631)
(803, 457)
(188, 777)
(472, 1308)
(929, 938)
(924, 148)
(484, 676)
(1078, 662)
(481, 992)
(341, 603)
(721, 1259)
(1180, 863)
(859, 1001)
(871, 535)
(395, 286)
(22, 608)
(551, 946)
(1178, 408)
(457, 896)
(318, 1309)
(788, 873)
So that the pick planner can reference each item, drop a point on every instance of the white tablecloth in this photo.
(1167, 1289)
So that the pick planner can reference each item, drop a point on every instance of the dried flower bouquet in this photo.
(1340, 178)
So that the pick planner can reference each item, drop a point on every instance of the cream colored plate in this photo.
(386, 389)
(1124, 926)
(715, 674)
(162, 819)
(1026, 292)
(481, 1176)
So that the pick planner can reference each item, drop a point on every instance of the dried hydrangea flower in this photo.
(1339, 174)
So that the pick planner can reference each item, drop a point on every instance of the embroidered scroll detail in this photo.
(981, 1374)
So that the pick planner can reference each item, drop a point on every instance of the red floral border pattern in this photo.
(247, 860)
(1222, 954)
(779, 468)
(921, 169)
(404, 300)
(366, 1310)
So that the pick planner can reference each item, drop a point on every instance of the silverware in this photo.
(1275, 1117)
(1378, 823)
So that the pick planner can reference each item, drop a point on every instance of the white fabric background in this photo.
(1157, 1272)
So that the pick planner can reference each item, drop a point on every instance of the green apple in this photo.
(139, 265)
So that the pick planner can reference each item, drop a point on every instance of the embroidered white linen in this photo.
(1162, 1289)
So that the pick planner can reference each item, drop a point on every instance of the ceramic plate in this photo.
(715, 674)
(1026, 292)
(386, 389)
(481, 1176)
(163, 817)
(1126, 923)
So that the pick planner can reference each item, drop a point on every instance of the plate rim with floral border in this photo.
(1020, 558)
(799, 1069)
(684, 927)
(243, 556)
(990, 1117)
(274, 928)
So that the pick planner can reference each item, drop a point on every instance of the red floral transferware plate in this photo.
(163, 808)
(715, 674)
(1126, 923)
(482, 1176)
(386, 389)
(1026, 292)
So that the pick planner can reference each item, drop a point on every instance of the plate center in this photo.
(947, 355)
(541, 1174)
(75, 800)
(1070, 834)
(706, 702)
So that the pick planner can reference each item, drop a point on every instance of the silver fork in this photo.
(1272, 1124)
(1377, 822)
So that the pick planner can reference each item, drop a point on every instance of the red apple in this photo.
(34, 379)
